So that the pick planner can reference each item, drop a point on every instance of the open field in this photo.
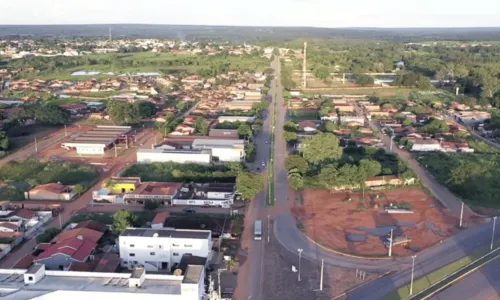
(135, 62)
(359, 227)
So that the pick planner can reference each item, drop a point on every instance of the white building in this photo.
(161, 249)
(199, 156)
(420, 145)
(38, 283)
(223, 149)
(209, 194)
(97, 140)
(243, 119)
(352, 118)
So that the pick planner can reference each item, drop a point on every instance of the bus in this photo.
(257, 231)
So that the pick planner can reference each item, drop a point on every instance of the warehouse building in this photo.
(199, 156)
(222, 149)
(98, 140)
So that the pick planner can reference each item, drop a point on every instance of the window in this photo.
(175, 254)
(125, 262)
(132, 254)
(132, 245)
(151, 246)
(30, 278)
(151, 253)
(188, 246)
(136, 262)
(159, 246)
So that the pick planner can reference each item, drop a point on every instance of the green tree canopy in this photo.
(123, 112)
(435, 126)
(321, 147)
(146, 109)
(245, 130)
(249, 184)
(201, 126)
(123, 219)
(296, 162)
(328, 177)
(364, 80)
(4, 141)
(370, 167)
(290, 137)
(321, 72)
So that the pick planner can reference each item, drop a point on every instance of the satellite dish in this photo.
(294, 269)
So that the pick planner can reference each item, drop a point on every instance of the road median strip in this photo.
(435, 280)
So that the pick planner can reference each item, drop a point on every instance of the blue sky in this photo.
(318, 13)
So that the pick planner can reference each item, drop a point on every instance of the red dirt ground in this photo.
(328, 218)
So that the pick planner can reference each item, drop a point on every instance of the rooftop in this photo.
(167, 233)
(100, 135)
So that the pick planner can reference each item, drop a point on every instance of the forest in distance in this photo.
(243, 33)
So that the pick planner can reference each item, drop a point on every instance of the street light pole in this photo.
(493, 232)
(268, 226)
(300, 256)
(390, 244)
(461, 215)
(412, 273)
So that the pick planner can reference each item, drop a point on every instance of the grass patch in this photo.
(427, 280)
(302, 115)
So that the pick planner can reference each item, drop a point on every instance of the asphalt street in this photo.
(449, 250)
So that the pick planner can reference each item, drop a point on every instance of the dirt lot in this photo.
(360, 226)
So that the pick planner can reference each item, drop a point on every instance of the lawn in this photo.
(302, 115)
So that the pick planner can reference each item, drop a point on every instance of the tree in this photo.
(123, 219)
(290, 137)
(4, 141)
(201, 126)
(109, 183)
(79, 189)
(435, 126)
(245, 130)
(321, 147)
(46, 114)
(290, 126)
(296, 162)
(151, 205)
(249, 184)
(370, 167)
(321, 72)
(146, 109)
(331, 126)
(123, 113)
(47, 235)
(250, 153)
(364, 80)
(328, 177)
(295, 181)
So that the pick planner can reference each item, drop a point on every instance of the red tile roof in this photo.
(25, 262)
(91, 224)
(24, 213)
(304, 124)
(78, 249)
(87, 234)
(160, 218)
(108, 263)
(9, 225)
(51, 187)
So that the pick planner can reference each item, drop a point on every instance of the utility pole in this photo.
(390, 244)
(110, 36)
(321, 276)
(493, 232)
(304, 76)
(126, 142)
(392, 138)
(116, 150)
(65, 131)
(343, 78)
(300, 256)
(36, 145)
(60, 222)
(218, 280)
(461, 216)
(412, 274)
(268, 226)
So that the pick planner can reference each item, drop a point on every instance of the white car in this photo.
(263, 164)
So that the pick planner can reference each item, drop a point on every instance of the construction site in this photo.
(361, 224)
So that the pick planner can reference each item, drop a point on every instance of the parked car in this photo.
(189, 210)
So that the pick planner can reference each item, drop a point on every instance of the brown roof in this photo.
(160, 218)
(87, 234)
(25, 262)
(108, 263)
(80, 267)
(91, 224)
(50, 187)
(24, 213)
(304, 124)
(9, 225)
(157, 188)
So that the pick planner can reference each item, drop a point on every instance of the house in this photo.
(159, 220)
(332, 117)
(10, 226)
(161, 249)
(308, 126)
(74, 108)
(371, 107)
(182, 129)
(222, 149)
(59, 256)
(422, 145)
(224, 133)
(348, 118)
(118, 185)
(82, 233)
(50, 191)
(341, 107)
(472, 117)
(208, 194)
(161, 192)
(242, 119)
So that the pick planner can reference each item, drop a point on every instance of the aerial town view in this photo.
(249, 155)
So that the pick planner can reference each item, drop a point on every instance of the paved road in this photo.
(251, 273)
(484, 284)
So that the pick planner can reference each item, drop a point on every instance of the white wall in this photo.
(88, 150)
(165, 249)
(148, 157)
(200, 202)
(228, 154)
